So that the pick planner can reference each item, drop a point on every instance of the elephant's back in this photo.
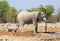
(25, 15)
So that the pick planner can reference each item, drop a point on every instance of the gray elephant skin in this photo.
(25, 17)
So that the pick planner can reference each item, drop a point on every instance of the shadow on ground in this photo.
(52, 32)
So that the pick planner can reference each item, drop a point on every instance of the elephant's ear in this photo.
(39, 16)
(39, 13)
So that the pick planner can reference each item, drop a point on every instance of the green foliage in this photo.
(7, 13)
(41, 8)
(3, 7)
(31, 10)
(55, 17)
(48, 9)
(11, 14)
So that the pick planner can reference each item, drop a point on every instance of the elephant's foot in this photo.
(34, 32)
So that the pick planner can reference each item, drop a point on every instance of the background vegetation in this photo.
(8, 13)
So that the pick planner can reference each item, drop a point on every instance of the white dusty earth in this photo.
(54, 34)
(32, 37)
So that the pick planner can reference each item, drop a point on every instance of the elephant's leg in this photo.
(21, 27)
(35, 25)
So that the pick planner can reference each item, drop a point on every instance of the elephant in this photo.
(25, 17)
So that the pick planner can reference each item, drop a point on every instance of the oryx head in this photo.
(42, 16)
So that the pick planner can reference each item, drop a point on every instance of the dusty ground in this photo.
(29, 36)
(53, 34)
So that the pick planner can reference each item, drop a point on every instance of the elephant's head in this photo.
(42, 16)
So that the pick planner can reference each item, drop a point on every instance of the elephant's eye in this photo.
(42, 14)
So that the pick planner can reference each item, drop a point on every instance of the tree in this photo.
(7, 13)
(41, 8)
(31, 10)
(48, 9)
(56, 17)
(11, 14)
(3, 8)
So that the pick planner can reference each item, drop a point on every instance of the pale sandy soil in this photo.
(30, 36)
